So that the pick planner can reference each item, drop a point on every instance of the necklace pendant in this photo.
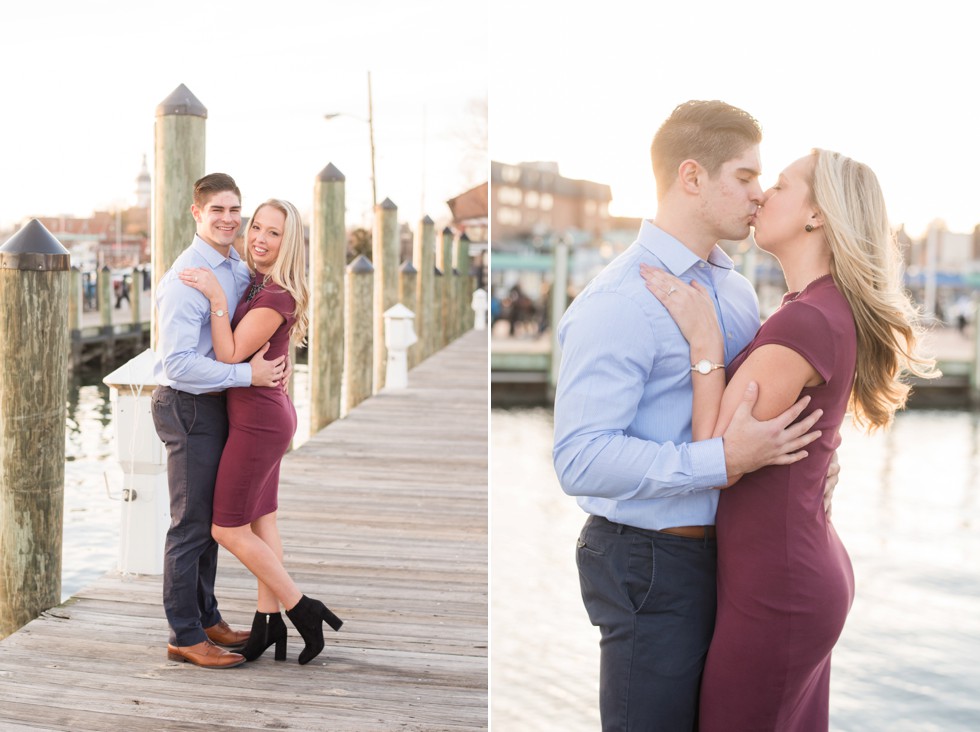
(254, 289)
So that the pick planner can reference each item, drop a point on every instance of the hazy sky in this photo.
(80, 83)
(892, 84)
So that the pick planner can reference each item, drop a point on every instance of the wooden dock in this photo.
(519, 369)
(384, 517)
(94, 343)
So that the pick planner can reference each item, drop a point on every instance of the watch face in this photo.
(704, 366)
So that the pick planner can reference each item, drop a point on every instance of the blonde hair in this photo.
(867, 268)
(289, 269)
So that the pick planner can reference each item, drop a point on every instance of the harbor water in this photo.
(907, 508)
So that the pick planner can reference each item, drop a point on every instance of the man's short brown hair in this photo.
(211, 184)
(710, 132)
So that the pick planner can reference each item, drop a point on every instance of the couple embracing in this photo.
(703, 446)
(222, 410)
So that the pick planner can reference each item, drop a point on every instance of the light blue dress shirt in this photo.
(185, 355)
(623, 403)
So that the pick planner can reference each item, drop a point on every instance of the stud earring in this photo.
(808, 227)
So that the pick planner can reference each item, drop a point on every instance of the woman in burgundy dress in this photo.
(843, 336)
(261, 424)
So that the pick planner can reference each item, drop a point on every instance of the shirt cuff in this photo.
(242, 374)
(708, 463)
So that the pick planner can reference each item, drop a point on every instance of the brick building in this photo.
(534, 199)
(118, 239)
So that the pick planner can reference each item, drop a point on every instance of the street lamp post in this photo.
(370, 123)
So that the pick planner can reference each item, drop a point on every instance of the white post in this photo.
(145, 514)
(479, 305)
(399, 335)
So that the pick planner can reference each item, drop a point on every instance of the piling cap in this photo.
(34, 248)
(388, 205)
(427, 221)
(361, 265)
(408, 268)
(330, 174)
(182, 101)
(399, 311)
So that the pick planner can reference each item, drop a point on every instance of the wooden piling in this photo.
(445, 260)
(75, 299)
(103, 293)
(559, 301)
(438, 288)
(407, 285)
(464, 292)
(328, 259)
(384, 258)
(103, 290)
(135, 291)
(424, 259)
(75, 310)
(359, 333)
(178, 162)
(34, 308)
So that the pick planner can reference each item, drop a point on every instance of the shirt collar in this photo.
(211, 255)
(675, 256)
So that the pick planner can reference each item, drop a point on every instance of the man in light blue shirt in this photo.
(647, 554)
(189, 415)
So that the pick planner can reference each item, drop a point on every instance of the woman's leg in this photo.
(262, 561)
(259, 547)
(267, 529)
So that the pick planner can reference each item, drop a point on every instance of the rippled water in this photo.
(92, 473)
(907, 508)
(91, 524)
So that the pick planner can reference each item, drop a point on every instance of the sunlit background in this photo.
(81, 83)
(581, 94)
(888, 84)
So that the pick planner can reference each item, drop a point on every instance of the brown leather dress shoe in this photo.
(223, 635)
(206, 655)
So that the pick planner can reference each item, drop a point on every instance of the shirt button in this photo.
(730, 335)
(702, 265)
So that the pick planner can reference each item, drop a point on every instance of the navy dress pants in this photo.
(652, 595)
(194, 429)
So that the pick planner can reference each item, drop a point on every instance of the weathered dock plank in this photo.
(384, 517)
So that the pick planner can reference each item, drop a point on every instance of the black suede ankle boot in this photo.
(267, 628)
(308, 616)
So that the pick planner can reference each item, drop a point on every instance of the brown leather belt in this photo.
(686, 532)
(691, 532)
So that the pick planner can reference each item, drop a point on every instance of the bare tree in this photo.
(472, 136)
(358, 242)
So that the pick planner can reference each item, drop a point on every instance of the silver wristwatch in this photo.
(704, 366)
(219, 313)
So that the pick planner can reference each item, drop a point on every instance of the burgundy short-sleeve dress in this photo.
(785, 583)
(261, 424)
